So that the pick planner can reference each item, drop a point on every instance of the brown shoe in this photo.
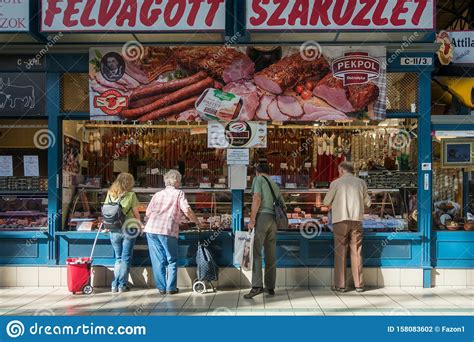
(339, 289)
(255, 291)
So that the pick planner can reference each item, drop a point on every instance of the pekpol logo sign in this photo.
(356, 68)
(340, 15)
(132, 15)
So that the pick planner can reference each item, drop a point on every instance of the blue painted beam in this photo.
(54, 161)
(237, 210)
(424, 176)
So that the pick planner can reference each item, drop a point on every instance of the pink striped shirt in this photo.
(165, 211)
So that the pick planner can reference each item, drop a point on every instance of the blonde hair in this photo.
(123, 184)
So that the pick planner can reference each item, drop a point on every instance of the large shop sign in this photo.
(22, 94)
(132, 15)
(223, 83)
(14, 15)
(340, 15)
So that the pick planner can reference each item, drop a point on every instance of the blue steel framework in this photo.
(423, 249)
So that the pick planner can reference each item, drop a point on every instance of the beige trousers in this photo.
(348, 234)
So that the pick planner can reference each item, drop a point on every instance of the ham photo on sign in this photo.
(273, 83)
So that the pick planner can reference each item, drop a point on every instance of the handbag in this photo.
(243, 249)
(207, 269)
(281, 217)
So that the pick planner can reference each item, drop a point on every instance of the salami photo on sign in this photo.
(207, 83)
(112, 66)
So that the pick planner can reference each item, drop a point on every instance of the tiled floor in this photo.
(287, 302)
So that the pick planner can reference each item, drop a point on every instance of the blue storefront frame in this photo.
(424, 249)
(400, 250)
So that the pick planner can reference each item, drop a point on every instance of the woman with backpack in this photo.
(122, 218)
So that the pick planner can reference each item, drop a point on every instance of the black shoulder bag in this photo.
(280, 210)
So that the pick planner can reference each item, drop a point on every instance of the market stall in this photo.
(302, 98)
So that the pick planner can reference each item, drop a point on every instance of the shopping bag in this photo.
(243, 249)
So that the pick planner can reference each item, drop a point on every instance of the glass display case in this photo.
(212, 206)
(23, 211)
(390, 210)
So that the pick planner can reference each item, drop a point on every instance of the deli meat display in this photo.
(168, 83)
(346, 98)
(290, 70)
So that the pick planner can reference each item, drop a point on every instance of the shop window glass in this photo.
(304, 161)
(24, 175)
(453, 186)
(94, 153)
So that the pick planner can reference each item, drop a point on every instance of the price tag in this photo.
(205, 185)
(219, 186)
(154, 171)
(204, 166)
(283, 166)
(307, 165)
(222, 180)
(290, 185)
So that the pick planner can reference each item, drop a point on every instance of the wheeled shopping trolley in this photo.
(79, 272)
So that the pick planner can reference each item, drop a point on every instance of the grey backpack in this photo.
(112, 214)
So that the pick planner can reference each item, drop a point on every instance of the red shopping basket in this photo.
(79, 275)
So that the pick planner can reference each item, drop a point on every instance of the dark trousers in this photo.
(265, 236)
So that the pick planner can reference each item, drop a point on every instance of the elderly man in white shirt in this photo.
(347, 198)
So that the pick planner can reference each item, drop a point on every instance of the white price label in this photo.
(416, 61)
(204, 166)
(283, 166)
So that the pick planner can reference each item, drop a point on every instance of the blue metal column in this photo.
(54, 162)
(425, 176)
(237, 210)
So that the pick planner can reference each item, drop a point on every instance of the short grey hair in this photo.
(172, 178)
(347, 166)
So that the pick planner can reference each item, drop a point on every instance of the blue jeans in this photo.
(164, 255)
(123, 248)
